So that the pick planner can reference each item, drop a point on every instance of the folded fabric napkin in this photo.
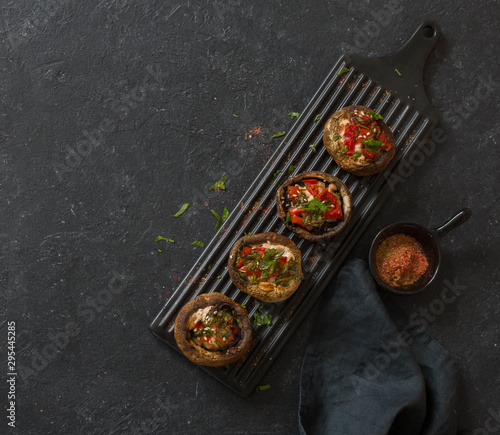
(368, 372)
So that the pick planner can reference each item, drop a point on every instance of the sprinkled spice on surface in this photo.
(400, 260)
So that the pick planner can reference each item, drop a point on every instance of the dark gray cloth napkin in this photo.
(368, 372)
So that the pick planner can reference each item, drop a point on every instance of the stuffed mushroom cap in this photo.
(326, 230)
(257, 266)
(213, 330)
(362, 162)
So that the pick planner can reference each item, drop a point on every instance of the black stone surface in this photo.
(115, 113)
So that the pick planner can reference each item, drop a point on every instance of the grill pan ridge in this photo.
(372, 82)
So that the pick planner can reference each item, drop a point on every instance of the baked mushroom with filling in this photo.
(266, 266)
(359, 140)
(314, 205)
(213, 330)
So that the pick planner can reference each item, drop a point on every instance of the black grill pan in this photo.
(400, 97)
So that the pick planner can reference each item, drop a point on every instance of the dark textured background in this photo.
(154, 85)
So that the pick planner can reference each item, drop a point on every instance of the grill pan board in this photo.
(371, 82)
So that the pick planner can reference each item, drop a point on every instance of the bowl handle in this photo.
(452, 223)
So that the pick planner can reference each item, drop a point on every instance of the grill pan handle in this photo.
(402, 71)
(410, 59)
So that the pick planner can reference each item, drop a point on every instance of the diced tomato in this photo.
(241, 262)
(335, 211)
(293, 192)
(368, 154)
(295, 213)
(246, 250)
(298, 220)
(383, 138)
(257, 273)
(282, 260)
(326, 194)
(350, 131)
(364, 132)
(261, 250)
(312, 186)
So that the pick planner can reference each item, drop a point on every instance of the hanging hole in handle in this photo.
(429, 32)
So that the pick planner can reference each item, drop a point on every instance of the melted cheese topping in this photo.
(198, 315)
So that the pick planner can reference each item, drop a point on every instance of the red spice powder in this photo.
(400, 260)
(252, 132)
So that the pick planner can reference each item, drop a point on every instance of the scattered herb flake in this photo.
(159, 250)
(225, 213)
(219, 277)
(182, 210)
(312, 147)
(294, 114)
(198, 243)
(243, 305)
(209, 267)
(158, 238)
(262, 319)
(278, 134)
(263, 388)
(219, 184)
(372, 145)
(315, 205)
(356, 155)
(397, 72)
(318, 117)
(218, 219)
(343, 71)
(277, 173)
(248, 234)
(227, 366)
(291, 169)
(235, 115)
(215, 214)
(336, 137)
(375, 115)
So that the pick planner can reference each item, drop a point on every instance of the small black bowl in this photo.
(428, 239)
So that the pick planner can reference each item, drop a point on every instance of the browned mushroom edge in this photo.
(266, 291)
(335, 146)
(327, 230)
(190, 346)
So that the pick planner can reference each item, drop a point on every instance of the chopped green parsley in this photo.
(182, 210)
